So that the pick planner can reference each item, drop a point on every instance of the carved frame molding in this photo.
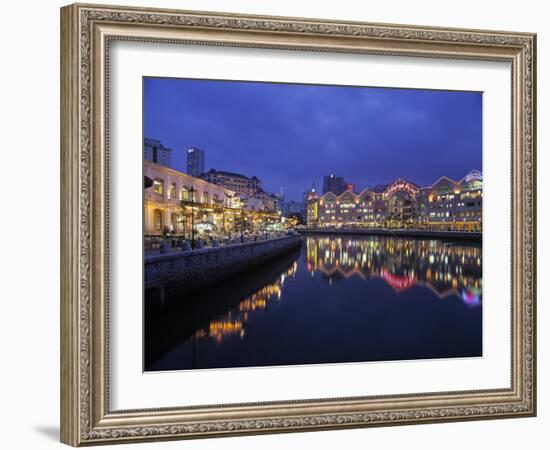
(86, 32)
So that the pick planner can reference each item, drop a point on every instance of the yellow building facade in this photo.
(445, 205)
(176, 199)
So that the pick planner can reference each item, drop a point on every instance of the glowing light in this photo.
(470, 298)
(398, 283)
(473, 176)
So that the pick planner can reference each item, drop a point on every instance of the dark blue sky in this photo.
(290, 134)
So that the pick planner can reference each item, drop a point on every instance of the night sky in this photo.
(291, 134)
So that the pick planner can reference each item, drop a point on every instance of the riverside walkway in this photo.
(191, 269)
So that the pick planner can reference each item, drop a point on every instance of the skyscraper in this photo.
(334, 184)
(153, 150)
(195, 161)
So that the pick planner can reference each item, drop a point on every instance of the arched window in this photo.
(184, 194)
(157, 216)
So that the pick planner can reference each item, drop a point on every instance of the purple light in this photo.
(470, 298)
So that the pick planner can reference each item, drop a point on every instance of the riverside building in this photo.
(174, 196)
(445, 205)
(178, 204)
(241, 184)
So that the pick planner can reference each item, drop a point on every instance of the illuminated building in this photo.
(305, 200)
(453, 205)
(350, 187)
(241, 184)
(195, 161)
(163, 201)
(248, 189)
(154, 151)
(312, 209)
(264, 200)
(180, 204)
(445, 205)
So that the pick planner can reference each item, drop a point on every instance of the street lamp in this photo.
(242, 221)
(182, 218)
(192, 190)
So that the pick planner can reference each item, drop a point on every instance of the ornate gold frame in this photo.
(86, 31)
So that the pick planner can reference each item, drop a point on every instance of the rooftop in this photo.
(228, 174)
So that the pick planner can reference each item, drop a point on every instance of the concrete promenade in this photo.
(419, 234)
(187, 270)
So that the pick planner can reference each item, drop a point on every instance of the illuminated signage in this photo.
(474, 176)
(401, 185)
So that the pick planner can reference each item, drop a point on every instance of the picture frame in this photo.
(87, 32)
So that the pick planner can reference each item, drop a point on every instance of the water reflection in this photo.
(233, 323)
(337, 299)
(445, 268)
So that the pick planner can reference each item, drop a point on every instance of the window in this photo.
(158, 186)
(158, 220)
(205, 197)
(172, 190)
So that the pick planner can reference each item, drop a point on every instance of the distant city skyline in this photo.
(291, 134)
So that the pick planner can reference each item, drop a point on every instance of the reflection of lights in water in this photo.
(445, 269)
(234, 321)
(470, 298)
(398, 283)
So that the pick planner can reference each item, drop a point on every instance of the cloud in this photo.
(288, 134)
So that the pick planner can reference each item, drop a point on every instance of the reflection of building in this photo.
(401, 263)
(195, 161)
(233, 323)
(154, 151)
(241, 184)
(446, 205)
(163, 207)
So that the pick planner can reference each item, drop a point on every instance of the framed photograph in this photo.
(276, 224)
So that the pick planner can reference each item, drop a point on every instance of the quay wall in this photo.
(188, 270)
(419, 234)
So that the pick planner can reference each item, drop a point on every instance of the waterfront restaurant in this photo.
(453, 205)
(445, 205)
(174, 196)
(179, 204)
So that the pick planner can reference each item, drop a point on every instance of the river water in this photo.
(336, 299)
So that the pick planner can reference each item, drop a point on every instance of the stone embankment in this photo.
(195, 268)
